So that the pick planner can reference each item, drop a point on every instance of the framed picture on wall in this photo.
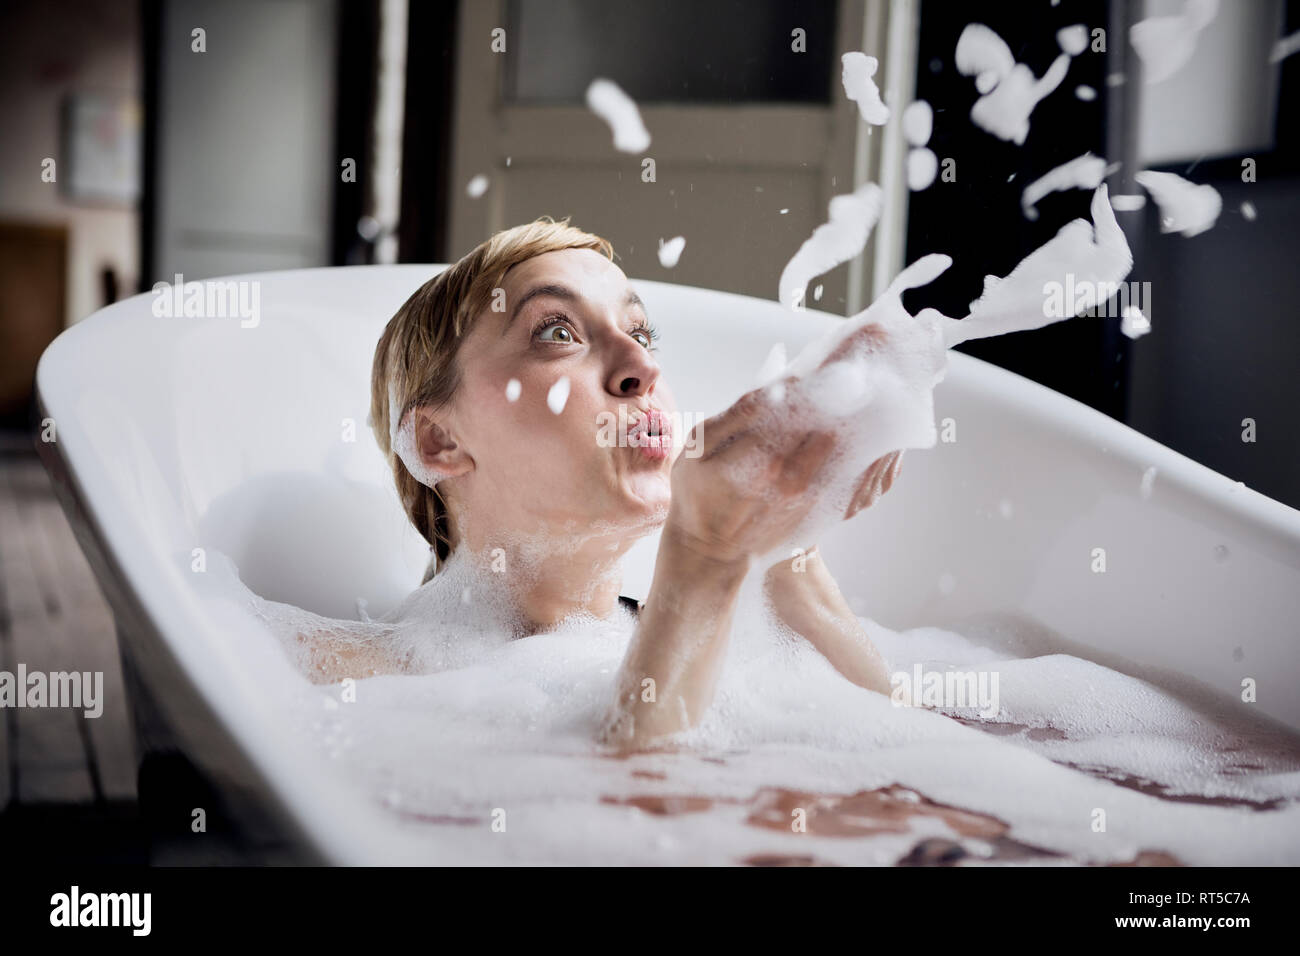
(101, 148)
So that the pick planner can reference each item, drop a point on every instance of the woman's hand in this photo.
(808, 601)
(748, 489)
(875, 481)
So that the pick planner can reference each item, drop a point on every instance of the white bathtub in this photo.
(182, 433)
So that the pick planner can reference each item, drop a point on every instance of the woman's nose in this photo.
(636, 374)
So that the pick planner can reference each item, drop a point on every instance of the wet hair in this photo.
(415, 360)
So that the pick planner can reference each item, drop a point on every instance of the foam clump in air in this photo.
(608, 101)
(852, 216)
(477, 186)
(1093, 257)
(918, 122)
(1185, 207)
(671, 251)
(1072, 40)
(1133, 323)
(1082, 172)
(922, 164)
(870, 381)
(856, 75)
(1009, 90)
(1167, 44)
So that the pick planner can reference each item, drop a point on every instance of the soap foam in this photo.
(479, 722)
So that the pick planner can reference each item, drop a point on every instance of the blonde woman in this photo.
(480, 470)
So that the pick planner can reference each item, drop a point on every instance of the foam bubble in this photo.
(1133, 323)
(918, 122)
(477, 186)
(1148, 482)
(922, 165)
(856, 75)
(1185, 207)
(608, 101)
(671, 251)
(852, 216)
(1073, 40)
(513, 388)
(558, 395)
(1082, 172)
(1167, 44)
(1009, 91)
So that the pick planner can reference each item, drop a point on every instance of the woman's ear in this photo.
(438, 450)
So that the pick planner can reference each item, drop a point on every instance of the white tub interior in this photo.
(186, 433)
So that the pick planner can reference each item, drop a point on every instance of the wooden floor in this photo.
(55, 762)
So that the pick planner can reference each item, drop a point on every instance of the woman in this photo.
(490, 456)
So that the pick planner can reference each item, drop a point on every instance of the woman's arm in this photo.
(668, 676)
(809, 602)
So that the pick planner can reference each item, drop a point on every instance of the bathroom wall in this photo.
(93, 47)
(244, 137)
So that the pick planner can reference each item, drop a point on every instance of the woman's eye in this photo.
(565, 335)
(642, 337)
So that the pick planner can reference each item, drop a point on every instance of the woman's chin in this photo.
(650, 495)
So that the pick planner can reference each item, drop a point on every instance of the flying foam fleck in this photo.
(852, 217)
(671, 251)
(1082, 172)
(856, 75)
(1184, 206)
(558, 395)
(1166, 44)
(608, 101)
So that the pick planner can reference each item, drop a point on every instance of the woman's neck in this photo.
(554, 577)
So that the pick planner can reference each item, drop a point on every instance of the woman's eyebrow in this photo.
(561, 292)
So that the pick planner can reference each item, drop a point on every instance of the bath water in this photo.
(483, 749)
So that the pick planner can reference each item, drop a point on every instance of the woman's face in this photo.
(567, 315)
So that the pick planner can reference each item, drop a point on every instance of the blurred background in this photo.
(148, 138)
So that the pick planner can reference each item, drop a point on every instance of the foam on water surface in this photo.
(480, 722)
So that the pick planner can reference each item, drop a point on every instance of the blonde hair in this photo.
(415, 360)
